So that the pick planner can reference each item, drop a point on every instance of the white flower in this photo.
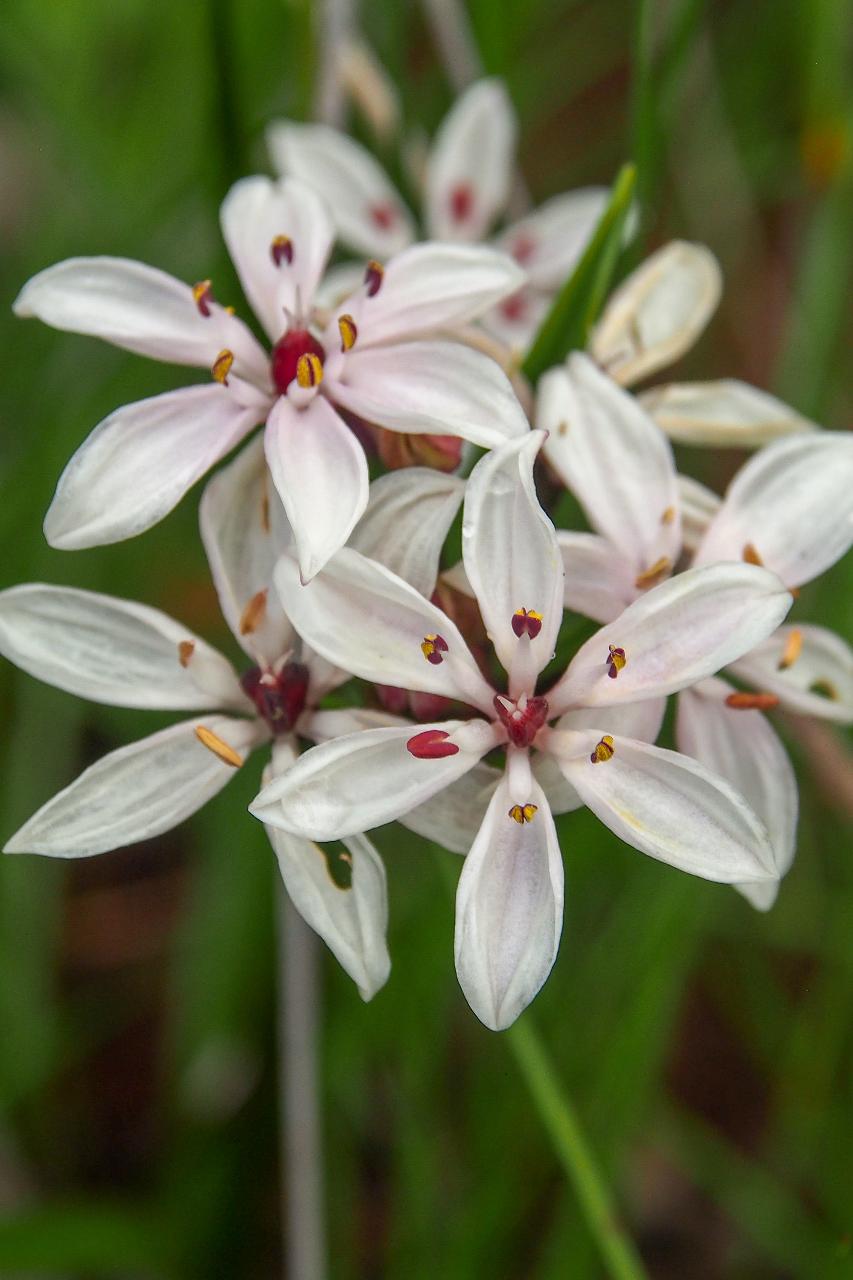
(360, 615)
(467, 184)
(137, 464)
(789, 508)
(127, 654)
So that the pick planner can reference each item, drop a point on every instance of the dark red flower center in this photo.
(522, 722)
(280, 699)
(287, 352)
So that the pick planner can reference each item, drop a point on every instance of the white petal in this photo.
(793, 503)
(818, 683)
(510, 552)
(245, 530)
(516, 321)
(365, 620)
(658, 312)
(368, 213)
(136, 792)
(742, 747)
(254, 212)
(548, 242)
(408, 515)
(453, 816)
(349, 785)
(699, 505)
(433, 387)
(320, 472)
(321, 726)
(509, 910)
(139, 462)
(113, 651)
(669, 806)
(675, 635)
(599, 581)
(727, 413)
(471, 153)
(430, 287)
(138, 308)
(614, 459)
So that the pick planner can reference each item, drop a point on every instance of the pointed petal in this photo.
(743, 748)
(675, 635)
(320, 472)
(365, 620)
(818, 682)
(337, 284)
(548, 242)
(408, 516)
(614, 459)
(349, 785)
(510, 552)
(668, 806)
(699, 505)
(470, 164)
(438, 387)
(727, 413)
(113, 651)
(658, 312)
(368, 213)
(139, 462)
(256, 211)
(453, 816)
(136, 792)
(599, 581)
(509, 910)
(516, 321)
(793, 503)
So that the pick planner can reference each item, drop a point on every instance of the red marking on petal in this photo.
(287, 353)
(514, 309)
(432, 744)
(384, 215)
(523, 247)
(462, 202)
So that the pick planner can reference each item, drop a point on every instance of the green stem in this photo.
(558, 1116)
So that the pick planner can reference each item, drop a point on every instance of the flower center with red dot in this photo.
(279, 699)
(287, 353)
(522, 719)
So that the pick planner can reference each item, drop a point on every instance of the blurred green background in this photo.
(708, 1048)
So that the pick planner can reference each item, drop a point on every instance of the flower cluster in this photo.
(477, 724)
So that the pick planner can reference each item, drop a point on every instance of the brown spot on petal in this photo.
(654, 574)
(750, 555)
(186, 649)
(254, 613)
(793, 649)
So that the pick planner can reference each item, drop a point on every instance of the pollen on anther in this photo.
(374, 274)
(433, 647)
(222, 367)
(793, 649)
(203, 296)
(527, 622)
(603, 750)
(654, 574)
(218, 746)
(668, 515)
(186, 649)
(522, 813)
(309, 370)
(616, 661)
(752, 701)
(349, 332)
(281, 250)
(750, 555)
(254, 613)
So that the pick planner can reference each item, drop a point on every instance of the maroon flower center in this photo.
(287, 352)
(522, 722)
(279, 699)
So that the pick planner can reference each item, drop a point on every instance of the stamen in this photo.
(222, 367)
(603, 750)
(793, 649)
(432, 744)
(752, 701)
(615, 661)
(348, 331)
(186, 649)
(668, 515)
(522, 719)
(279, 699)
(309, 370)
(214, 743)
(203, 296)
(461, 202)
(265, 509)
(433, 647)
(655, 573)
(281, 250)
(750, 555)
(527, 622)
(521, 813)
(254, 613)
(374, 274)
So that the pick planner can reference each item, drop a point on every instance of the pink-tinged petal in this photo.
(139, 462)
(368, 213)
(666, 805)
(366, 620)
(113, 651)
(511, 556)
(279, 236)
(658, 312)
(141, 309)
(699, 505)
(598, 582)
(616, 462)
(244, 531)
(432, 287)
(548, 242)
(791, 504)
(433, 387)
(352, 784)
(509, 909)
(137, 792)
(516, 321)
(470, 164)
(320, 472)
(674, 636)
(453, 817)
(809, 669)
(409, 513)
(742, 747)
(728, 413)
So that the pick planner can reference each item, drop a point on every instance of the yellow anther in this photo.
(752, 701)
(229, 311)
(203, 296)
(521, 813)
(433, 647)
(186, 649)
(793, 649)
(668, 515)
(254, 613)
(222, 366)
(750, 555)
(616, 661)
(281, 250)
(603, 750)
(349, 332)
(220, 748)
(655, 573)
(309, 370)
